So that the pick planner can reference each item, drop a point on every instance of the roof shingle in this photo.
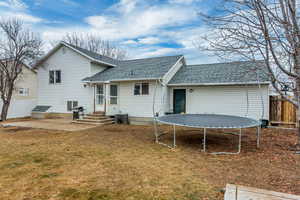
(221, 73)
(148, 68)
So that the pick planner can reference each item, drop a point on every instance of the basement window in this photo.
(141, 89)
(54, 76)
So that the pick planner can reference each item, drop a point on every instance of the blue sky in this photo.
(145, 28)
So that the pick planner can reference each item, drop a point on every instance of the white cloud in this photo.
(149, 40)
(140, 28)
(125, 6)
(4, 4)
(154, 52)
(140, 22)
(22, 16)
(14, 4)
(17, 9)
(129, 42)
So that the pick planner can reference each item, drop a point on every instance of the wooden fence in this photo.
(282, 112)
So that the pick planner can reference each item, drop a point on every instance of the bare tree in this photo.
(95, 44)
(260, 30)
(17, 46)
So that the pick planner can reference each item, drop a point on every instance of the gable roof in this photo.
(138, 69)
(221, 73)
(94, 57)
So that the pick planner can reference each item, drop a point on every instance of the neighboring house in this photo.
(69, 76)
(24, 97)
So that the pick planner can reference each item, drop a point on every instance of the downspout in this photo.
(94, 91)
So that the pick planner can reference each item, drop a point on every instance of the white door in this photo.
(99, 98)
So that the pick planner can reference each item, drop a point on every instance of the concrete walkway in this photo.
(63, 124)
(236, 192)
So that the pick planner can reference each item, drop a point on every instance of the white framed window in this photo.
(113, 94)
(23, 91)
(54, 76)
(141, 89)
(71, 105)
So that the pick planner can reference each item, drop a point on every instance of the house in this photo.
(69, 76)
(24, 97)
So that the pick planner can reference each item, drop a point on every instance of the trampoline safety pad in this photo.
(208, 121)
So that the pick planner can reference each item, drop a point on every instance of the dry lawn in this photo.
(123, 162)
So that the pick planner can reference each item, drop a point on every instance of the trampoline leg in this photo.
(240, 141)
(258, 136)
(204, 140)
(174, 136)
(156, 131)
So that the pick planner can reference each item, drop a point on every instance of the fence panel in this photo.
(282, 112)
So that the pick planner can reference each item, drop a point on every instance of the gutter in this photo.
(121, 80)
(210, 84)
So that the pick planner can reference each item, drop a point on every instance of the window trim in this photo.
(141, 89)
(55, 76)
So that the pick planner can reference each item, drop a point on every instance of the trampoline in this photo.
(208, 121)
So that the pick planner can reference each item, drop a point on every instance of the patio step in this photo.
(92, 123)
(94, 117)
(96, 120)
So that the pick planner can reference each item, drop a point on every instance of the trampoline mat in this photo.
(208, 121)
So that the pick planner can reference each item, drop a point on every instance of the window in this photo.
(71, 105)
(141, 89)
(113, 94)
(23, 91)
(54, 76)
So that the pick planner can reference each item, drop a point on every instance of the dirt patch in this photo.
(123, 162)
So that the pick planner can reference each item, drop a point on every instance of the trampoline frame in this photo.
(157, 136)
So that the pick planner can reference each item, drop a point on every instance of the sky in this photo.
(144, 28)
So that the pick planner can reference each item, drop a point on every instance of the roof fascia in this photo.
(211, 84)
(171, 69)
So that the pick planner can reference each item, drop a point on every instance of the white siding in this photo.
(230, 100)
(138, 105)
(95, 68)
(27, 79)
(74, 68)
(20, 108)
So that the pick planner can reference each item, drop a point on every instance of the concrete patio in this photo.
(63, 124)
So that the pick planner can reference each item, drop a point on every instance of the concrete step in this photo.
(95, 117)
(96, 121)
(99, 113)
(92, 123)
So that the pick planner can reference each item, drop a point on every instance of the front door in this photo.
(179, 101)
(100, 100)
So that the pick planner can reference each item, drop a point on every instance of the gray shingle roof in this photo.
(95, 56)
(148, 68)
(234, 72)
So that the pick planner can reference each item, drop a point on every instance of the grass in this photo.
(123, 162)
